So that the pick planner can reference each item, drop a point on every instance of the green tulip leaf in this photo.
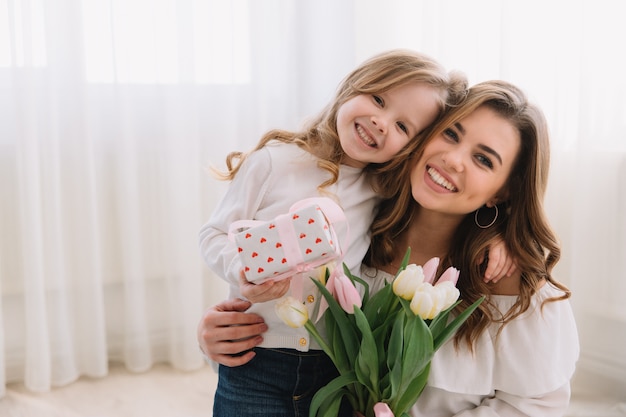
(455, 324)
(395, 356)
(439, 323)
(367, 359)
(376, 303)
(412, 392)
(329, 392)
(396, 341)
(418, 348)
(342, 360)
(331, 406)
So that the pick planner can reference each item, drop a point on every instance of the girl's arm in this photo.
(240, 202)
(500, 263)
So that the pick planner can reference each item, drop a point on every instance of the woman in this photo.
(515, 355)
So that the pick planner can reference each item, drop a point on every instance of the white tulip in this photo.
(292, 312)
(407, 281)
(450, 291)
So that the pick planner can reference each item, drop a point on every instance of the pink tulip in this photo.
(430, 269)
(345, 293)
(382, 410)
(451, 274)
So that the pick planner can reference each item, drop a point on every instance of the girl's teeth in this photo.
(434, 175)
(364, 136)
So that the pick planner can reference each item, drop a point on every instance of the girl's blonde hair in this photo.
(378, 74)
(522, 222)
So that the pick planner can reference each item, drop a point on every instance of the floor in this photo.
(165, 392)
(161, 392)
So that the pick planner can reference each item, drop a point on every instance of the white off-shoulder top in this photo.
(525, 370)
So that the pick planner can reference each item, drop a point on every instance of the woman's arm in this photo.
(439, 402)
(552, 404)
(226, 333)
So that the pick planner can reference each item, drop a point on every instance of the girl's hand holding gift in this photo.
(266, 291)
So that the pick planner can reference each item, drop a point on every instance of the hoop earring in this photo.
(495, 217)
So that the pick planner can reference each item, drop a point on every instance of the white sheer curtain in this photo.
(110, 111)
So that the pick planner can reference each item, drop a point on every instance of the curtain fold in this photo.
(112, 111)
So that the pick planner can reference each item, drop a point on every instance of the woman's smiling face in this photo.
(467, 165)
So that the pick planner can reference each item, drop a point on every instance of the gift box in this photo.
(300, 240)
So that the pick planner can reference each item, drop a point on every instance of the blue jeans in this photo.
(275, 383)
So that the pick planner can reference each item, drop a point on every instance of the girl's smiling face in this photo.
(373, 128)
(467, 165)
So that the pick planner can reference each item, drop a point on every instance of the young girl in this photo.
(379, 108)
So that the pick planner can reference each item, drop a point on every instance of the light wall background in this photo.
(111, 111)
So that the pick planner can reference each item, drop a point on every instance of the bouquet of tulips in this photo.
(381, 345)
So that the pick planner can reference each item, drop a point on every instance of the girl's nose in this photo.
(379, 123)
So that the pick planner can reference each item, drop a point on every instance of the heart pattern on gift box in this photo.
(259, 247)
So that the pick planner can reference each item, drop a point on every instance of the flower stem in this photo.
(320, 341)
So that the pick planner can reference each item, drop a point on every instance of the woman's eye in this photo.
(379, 100)
(403, 127)
(451, 134)
(483, 160)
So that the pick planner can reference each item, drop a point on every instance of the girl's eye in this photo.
(403, 127)
(451, 134)
(483, 160)
(379, 100)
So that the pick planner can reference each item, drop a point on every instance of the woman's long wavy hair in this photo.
(522, 222)
(379, 74)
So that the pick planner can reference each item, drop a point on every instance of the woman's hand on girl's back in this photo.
(226, 333)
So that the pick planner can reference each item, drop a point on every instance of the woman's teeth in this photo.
(438, 179)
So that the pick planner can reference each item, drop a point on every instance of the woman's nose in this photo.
(453, 160)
